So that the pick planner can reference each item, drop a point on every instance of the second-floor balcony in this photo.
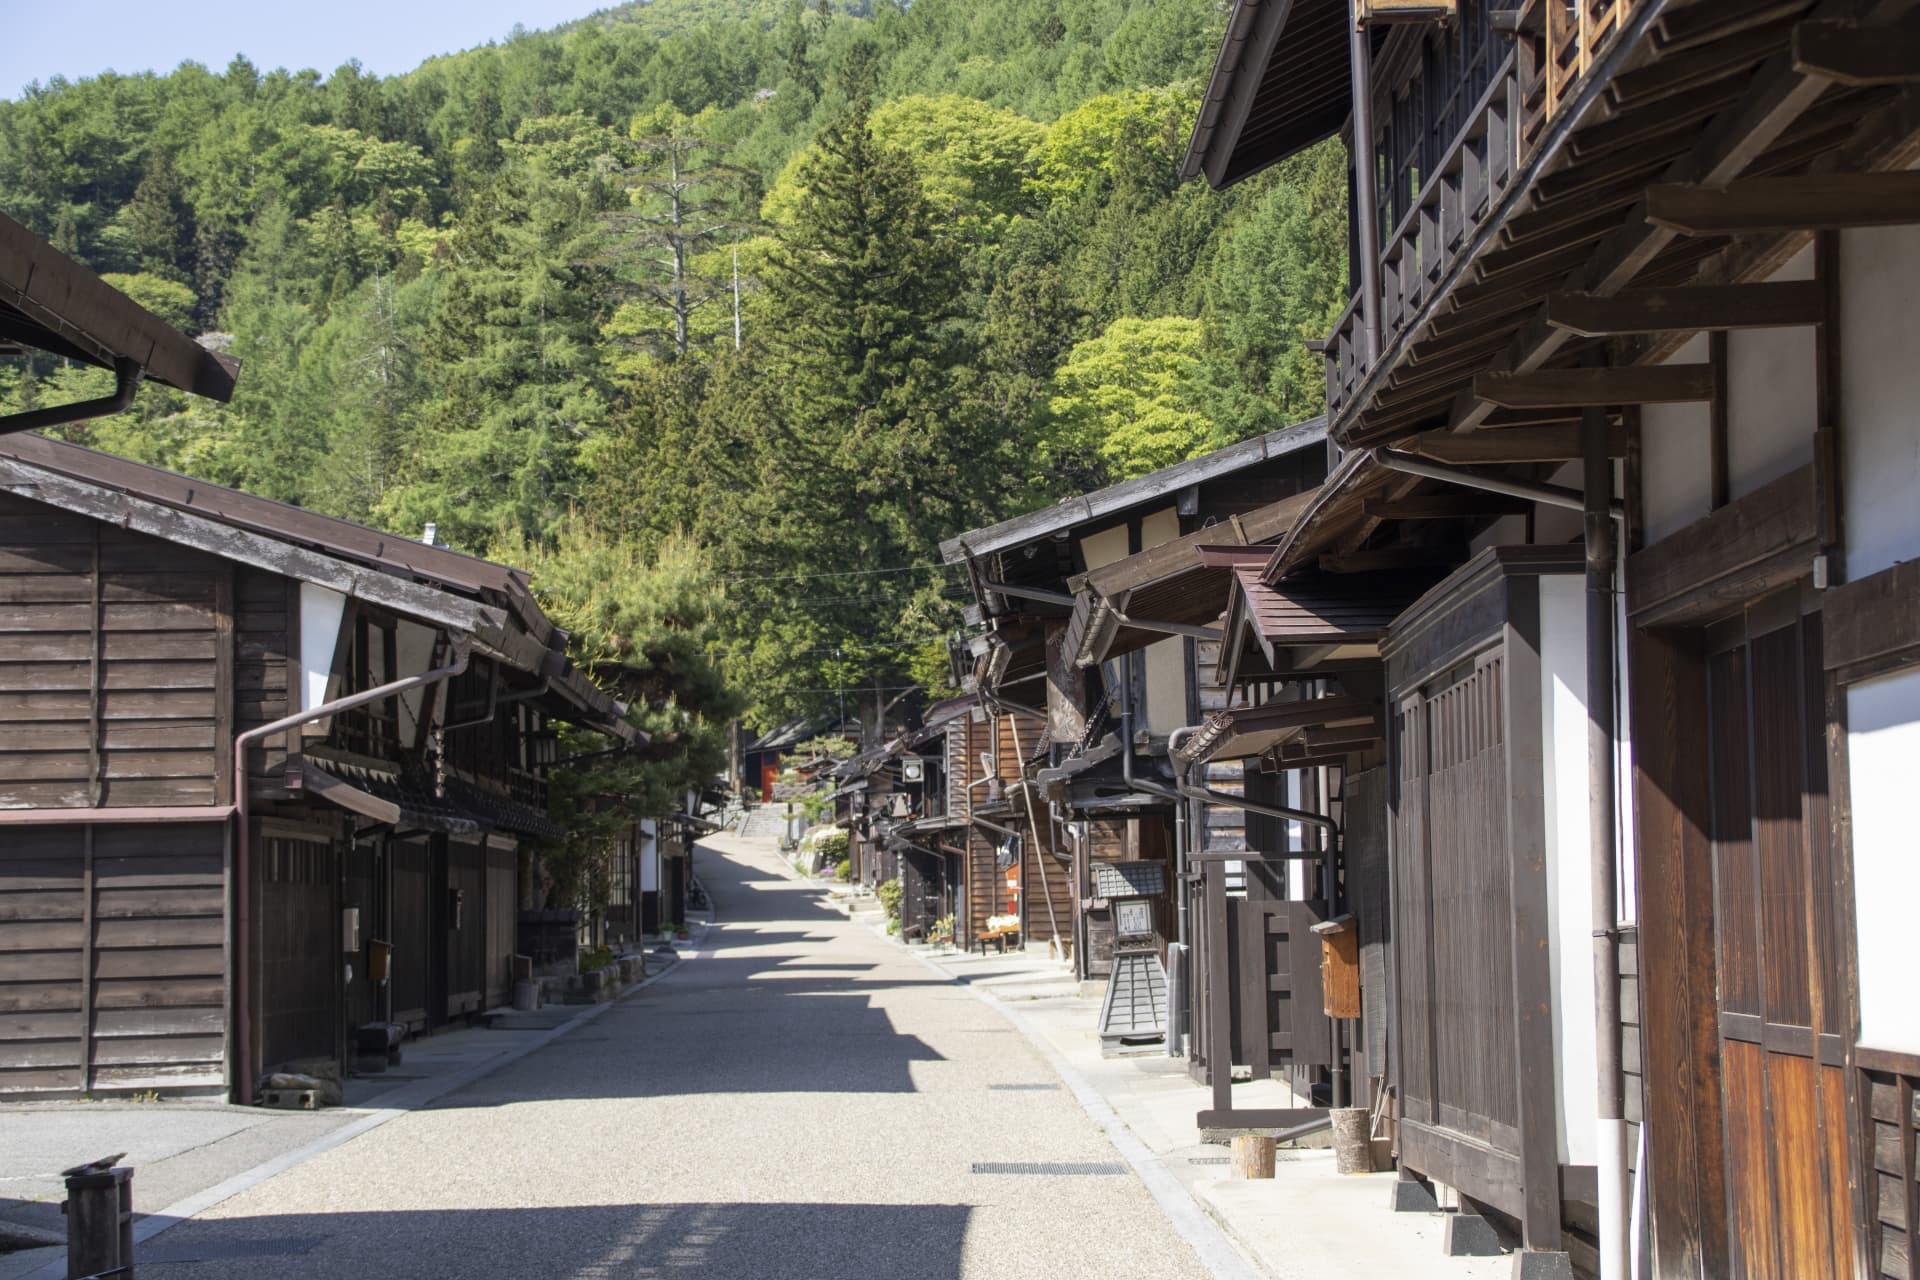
(1459, 109)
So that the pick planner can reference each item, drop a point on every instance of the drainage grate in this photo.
(1021, 1088)
(1208, 1160)
(1051, 1168)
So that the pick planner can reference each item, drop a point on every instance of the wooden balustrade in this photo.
(1556, 44)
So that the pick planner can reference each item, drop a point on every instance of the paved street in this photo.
(802, 1100)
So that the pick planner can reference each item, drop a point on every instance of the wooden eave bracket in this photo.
(1688, 309)
(1853, 53)
(1627, 384)
(1807, 202)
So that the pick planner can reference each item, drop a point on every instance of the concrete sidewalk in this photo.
(1308, 1222)
(190, 1155)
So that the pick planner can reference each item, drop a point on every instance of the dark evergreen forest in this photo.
(716, 313)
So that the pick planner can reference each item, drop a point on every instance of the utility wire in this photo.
(842, 573)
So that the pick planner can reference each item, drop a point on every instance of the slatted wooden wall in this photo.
(297, 951)
(263, 673)
(1893, 1173)
(503, 916)
(112, 648)
(467, 943)
(112, 957)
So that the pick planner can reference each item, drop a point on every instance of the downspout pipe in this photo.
(1602, 554)
(126, 381)
(243, 844)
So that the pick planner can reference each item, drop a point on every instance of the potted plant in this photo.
(680, 931)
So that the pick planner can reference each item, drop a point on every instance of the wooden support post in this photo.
(1718, 482)
(1253, 1156)
(1218, 998)
(1809, 202)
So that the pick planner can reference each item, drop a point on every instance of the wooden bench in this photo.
(998, 930)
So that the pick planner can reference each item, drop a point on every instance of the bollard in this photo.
(1352, 1149)
(99, 1211)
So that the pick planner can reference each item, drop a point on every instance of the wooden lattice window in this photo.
(1892, 1191)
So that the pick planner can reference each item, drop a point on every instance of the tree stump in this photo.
(1252, 1157)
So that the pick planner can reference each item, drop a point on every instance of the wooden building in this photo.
(269, 776)
(1086, 664)
(1633, 284)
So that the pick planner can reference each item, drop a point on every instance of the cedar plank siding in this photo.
(121, 929)
(109, 643)
(263, 669)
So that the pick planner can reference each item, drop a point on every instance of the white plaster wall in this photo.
(1880, 396)
(1770, 397)
(413, 652)
(649, 857)
(320, 613)
(1104, 547)
(1563, 711)
(1674, 488)
(1883, 745)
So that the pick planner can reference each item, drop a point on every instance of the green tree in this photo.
(1134, 397)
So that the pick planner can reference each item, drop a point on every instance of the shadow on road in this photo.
(776, 1241)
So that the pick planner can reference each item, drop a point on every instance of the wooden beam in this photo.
(1443, 506)
(1852, 53)
(1515, 444)
(1808, 202)
(1632, 384)
(1777, 304)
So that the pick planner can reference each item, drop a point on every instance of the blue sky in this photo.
(78, 38)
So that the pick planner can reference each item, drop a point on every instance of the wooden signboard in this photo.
(1339, 967)
(1370, 11)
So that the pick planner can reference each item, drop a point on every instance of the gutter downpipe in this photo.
(1602, 736)
(243, 844)
(126, 381)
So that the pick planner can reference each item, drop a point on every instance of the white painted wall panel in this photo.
(1674, 491)
(1883, 748)
(1770, 398)
(1880, 396)
(320, 613)
(1563, 677)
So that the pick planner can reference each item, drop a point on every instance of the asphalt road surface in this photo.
(801, 1100)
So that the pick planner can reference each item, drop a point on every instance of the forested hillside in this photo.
(758, 298)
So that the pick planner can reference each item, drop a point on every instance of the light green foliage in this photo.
(1280, 281)
(890, 892)
(1133, 397)
(1114, 138)
(168, 299)
(974, 160)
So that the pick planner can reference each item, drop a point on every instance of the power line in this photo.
(842, 573)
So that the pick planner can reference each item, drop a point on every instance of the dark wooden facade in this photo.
(133, 654)
(1677, 237)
